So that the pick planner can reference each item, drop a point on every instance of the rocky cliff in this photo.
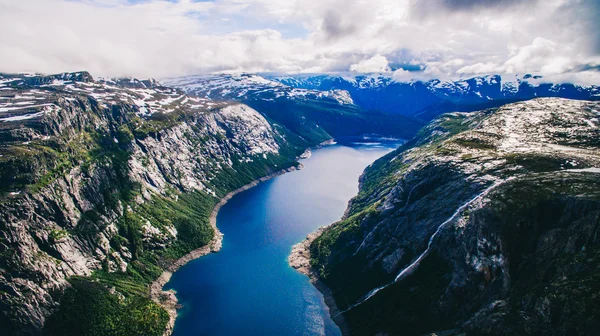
(484, 223)
(106, 182)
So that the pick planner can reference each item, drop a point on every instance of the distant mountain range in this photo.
(422, 99)
(316, 115)
(431, 98)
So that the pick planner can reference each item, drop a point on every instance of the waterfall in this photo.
(410, 268)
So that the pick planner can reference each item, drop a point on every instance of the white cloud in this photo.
(376, 63)
(533, 56)
(168, 38)
(479, 68)
(541, 56)
(402, 75)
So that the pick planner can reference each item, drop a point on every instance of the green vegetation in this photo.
(124, 134)
(36, 164)
(378, 179)
(189, 214)
(157, 122)
(56, 235)
(320, 249)
(446, 126)
(150, 127)
(123, 283)
(474, 143)
(319, 120)
(535, 162)
(89, 308)
(454, 124)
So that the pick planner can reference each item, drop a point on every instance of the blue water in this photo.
(248, 288)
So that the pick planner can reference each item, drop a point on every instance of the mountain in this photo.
(249, 86)
(427, 99)
(487, 219)
(315, 115)
(485, 223)
(104, 184)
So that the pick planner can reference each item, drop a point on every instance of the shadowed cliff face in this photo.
(111, 181)
(483, 223)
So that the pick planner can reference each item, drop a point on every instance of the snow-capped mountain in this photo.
(250, 87)
(426, 99)
(26, 96)
(380, 92)
(314, 114)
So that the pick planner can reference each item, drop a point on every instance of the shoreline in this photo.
(167, 299)
(299, 259)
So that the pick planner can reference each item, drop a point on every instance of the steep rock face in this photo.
(85, 164)
(479, 224)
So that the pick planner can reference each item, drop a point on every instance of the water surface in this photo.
(248, 288)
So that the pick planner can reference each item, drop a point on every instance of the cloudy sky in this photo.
(407, 39)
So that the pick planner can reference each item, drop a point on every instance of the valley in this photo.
(250, 289)
(301, 168)
(111, 189)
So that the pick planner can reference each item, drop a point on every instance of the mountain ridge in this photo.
(104, 183)
(313, 114)
(421, 96)
(422, 99)
(431, 242)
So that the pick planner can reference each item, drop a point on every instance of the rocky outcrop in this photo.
(299, 259)
(485, 223)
